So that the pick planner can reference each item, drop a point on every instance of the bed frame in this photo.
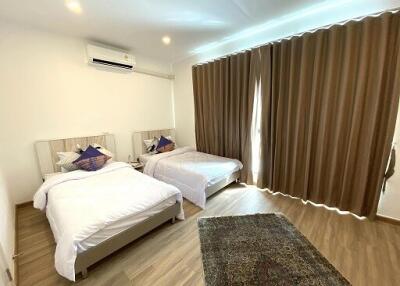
(46, 151)
(140, 148)
(107, 247)
(138, 136)
(234, 177)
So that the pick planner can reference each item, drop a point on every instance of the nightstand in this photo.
(137, 165)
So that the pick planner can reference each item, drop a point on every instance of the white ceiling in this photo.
(139, 25)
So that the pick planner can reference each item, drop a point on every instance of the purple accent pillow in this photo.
(91, 159)
(165, 145)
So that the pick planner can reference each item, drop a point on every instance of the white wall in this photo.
(7, 229)
(184, 103)
(389, 204)
(48, 91)
(183, 90)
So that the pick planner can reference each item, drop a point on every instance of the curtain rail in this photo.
(356, 19)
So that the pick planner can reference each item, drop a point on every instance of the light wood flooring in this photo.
(365, 252)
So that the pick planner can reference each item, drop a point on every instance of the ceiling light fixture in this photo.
(74, 6)
(166, 40)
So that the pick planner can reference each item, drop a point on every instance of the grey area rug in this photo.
(261, 249)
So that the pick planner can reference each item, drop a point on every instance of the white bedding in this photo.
(144, 158)
(48, 176)
(191, 171)
(113, 228)
(81, 204)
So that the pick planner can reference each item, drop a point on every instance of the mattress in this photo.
(48, 176)
(85, 208)
(144, 158)
(114, 228)
(191, 171)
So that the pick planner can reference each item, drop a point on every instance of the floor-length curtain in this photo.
(223, 96)
(267, 122)
(329, 104)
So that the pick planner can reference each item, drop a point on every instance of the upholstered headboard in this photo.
(46, 150)
(138, 136)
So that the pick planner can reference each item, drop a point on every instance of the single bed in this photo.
(93, 214)
(197, 175)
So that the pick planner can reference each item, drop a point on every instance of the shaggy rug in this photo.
(261, 249)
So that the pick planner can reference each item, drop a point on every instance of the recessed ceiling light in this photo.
(166, 40)
(74, 6)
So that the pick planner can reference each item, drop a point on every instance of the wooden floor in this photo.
(366, 253)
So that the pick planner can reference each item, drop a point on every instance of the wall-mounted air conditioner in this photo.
(104, 57)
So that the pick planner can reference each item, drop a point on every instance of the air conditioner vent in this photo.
(100, 56)
(113, 64)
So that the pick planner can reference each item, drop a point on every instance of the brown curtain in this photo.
(223, 96)
(329, 104)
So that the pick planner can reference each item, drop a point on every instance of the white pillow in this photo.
(148, 143)
(66, 159)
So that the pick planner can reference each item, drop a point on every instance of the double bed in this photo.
(93, 214)
(197, 175)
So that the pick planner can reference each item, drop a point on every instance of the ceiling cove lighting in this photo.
(166, 40)
(314, 9)
(74, 6)
(194, 19)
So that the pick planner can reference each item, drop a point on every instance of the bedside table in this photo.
(137, 166)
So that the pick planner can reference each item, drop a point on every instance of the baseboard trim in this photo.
(388, 219)
(16, 249)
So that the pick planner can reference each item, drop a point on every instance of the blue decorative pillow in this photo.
(91, 159)
(165, 145)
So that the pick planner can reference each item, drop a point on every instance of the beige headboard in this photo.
(46, 150)
(138, 136)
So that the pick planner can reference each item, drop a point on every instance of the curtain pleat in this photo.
(328, 101)
(329, 104)
(223, 96)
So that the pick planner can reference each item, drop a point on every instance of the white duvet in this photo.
(191, 171)
(84, 202)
